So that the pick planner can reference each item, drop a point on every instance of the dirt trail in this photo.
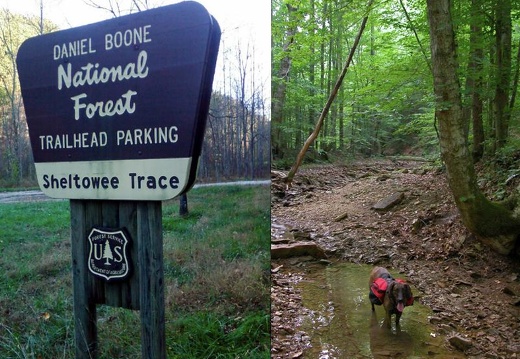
(473, 292)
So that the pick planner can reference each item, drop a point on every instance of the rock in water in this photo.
(297, 249)
(460, 343)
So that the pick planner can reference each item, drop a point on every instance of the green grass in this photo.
(216, 261)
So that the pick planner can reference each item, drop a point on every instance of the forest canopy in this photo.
(386, 103)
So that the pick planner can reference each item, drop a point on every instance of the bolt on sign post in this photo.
(116, 112)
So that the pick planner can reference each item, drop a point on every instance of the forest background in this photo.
(386, 104)
(436, 79)
(236, 142)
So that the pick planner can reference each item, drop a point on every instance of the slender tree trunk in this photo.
(503, 52)
(516, 77)
(475, 66)
(412, 26)
(280, 85)
(339, 135)
(492, 223)
(478, 123)
(183, 205)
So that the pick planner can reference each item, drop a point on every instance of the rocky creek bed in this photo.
(397, 214)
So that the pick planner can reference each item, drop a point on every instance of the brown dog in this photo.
(397, 295)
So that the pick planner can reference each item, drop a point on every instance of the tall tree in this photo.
(475, 76)
(280, 81)
(386, 103)
(503, 35)
(15, 164)
(330, 100)
(493, 223)
(10, 38)
(386, 90)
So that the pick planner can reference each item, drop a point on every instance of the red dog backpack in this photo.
(377, 291)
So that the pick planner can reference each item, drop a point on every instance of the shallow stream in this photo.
(341, 323)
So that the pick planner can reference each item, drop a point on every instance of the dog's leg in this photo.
(397, 318)
(373, 320)
(388, 320)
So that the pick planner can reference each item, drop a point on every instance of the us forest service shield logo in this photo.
(109, 253)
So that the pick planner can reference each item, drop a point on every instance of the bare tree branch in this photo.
(116, 7)
(112, 7)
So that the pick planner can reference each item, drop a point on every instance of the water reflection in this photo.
(341, 323)
(386, 343)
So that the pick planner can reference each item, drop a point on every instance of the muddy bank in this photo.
(473, 293)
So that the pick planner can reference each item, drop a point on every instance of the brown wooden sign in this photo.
(117, 109)
(116, 113)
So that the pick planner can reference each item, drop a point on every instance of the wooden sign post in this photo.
(144, 290)
(116, 113)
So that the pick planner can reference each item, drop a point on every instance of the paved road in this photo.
(33, 196)
(23, 196)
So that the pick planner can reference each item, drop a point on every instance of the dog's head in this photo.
(400, 295)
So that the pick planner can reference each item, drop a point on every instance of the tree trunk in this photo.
(183, 205)
(475, 66)
(503, 64)
(280, 85)
(492, 223)
(514, 86)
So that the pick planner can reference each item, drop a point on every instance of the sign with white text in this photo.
(117, 109)
(109, 256)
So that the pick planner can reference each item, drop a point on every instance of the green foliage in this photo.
(508, 156)
(422, 128)
(386, 89)
(14, 147)
(386, 104)
(499, 175)
(33, 221)
(207, 335)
